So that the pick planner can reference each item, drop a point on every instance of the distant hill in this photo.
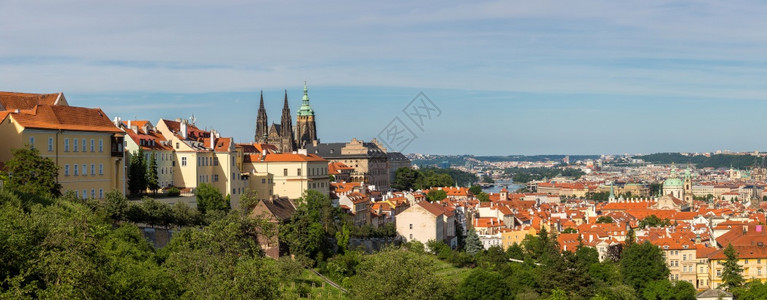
(700, 161)
(459, 160)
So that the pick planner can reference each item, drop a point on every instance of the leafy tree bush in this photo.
(28, 172)
(641, 264)
(732, 272)
(436, 195)
(483, 284)
(173, 192)
(209, 198)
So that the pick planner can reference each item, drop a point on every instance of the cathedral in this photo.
(283, 135)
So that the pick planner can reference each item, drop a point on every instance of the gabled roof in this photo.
(11, 101)
(280, 208)
(65, 118)
(434, 209)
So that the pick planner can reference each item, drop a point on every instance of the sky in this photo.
(506, 77)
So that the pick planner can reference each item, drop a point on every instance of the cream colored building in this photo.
(291, 173)
(753, 260)
(680, 257)
(369, 160)
(426, 221)
(203, 157)
(142, 134)
(83, 142)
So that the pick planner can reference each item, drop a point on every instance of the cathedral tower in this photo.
(287, 143)
(306, 130)
(262, 124)
(688, 186)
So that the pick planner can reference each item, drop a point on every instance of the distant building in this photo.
(369, 160)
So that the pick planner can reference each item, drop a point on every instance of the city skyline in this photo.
(511, 78)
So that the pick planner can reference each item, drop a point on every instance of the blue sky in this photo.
(511, 77)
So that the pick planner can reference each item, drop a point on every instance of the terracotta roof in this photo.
(66, 118)
(12, 101)
(744, 252)
(281, 208)
(434, 209)
(283, 157)
(337, 167)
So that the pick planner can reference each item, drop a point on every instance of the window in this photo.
(32, 142)
(85, 170)
(76, 168)
(263, 180)
(77, 193)
(84, 145)
(76, 143)
(101, 169)
(93, 169)
(285, 172)
(50, 144)
(684, 256)
(745, 261)
(215, 178)
(66, 170)
(177, 145)
(411, 235)
(66, 145)
(718, 273)
(93, 193)
(411, 226)
(101, 193)
(93, 145)
(85, 194)
(298, 172)
(183, 161)
(215, 161)
(101, 145)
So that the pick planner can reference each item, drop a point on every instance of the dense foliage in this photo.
(28, 172)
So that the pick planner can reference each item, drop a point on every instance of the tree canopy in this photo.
(28, 172)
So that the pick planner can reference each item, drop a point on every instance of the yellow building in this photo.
(509, 238)
(143, 134)
(291, 173)
(83, 142)
(753, 260)
(681, 258)
(203, 157)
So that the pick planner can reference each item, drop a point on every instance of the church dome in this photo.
(672, 182)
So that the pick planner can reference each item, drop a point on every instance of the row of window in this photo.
(312, 171)
(75, 142)
(204, 161)
(76, 169)
(84, 194)
(318, 185)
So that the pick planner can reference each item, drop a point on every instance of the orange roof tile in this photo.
(66, 118)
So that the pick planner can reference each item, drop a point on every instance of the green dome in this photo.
(673, 182)
(305, 109)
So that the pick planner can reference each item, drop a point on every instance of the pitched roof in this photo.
(281, 208)
(282, 157)
(12, 101)
(65, 118)
(434, 209)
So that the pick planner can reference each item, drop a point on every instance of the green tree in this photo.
(209, 198)
(405, 179)
(398, 274)
(473, 244)
(223, 261)
(116, 205)
(653, 221)
(137, 172)
(641, 264)
(312, 224)
(475, 189)
(667, 290)
(483, 197)
(605, 219)
(152, 179)
(752, 290)
(732, 272)
(436, 195)
(483, 284)
(28, 172)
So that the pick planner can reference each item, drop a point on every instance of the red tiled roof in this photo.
(11, 101)
(283, 157)
(66, 118)
(434, 209)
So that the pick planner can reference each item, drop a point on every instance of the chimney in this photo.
(183, 128)
(212, 139)
(129, 122)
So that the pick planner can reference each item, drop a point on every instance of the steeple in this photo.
(262, 124)
(286, 127)
(306, 109)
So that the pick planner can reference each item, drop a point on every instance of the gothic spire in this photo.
(262, 124)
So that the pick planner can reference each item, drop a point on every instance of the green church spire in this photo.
(305, 109)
